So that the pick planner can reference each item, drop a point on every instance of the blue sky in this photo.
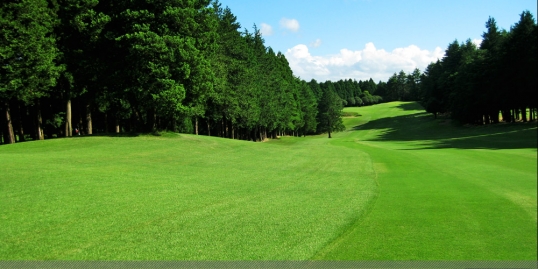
(359, 39)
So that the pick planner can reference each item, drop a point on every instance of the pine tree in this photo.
(330, 111)
(27, 55)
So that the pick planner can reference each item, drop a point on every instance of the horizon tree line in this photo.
(486, 84)
(495, 81)
(123, 66)
(144, 66)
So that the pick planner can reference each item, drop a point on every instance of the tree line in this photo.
(351, 92)
(90, 66)
(484, 84)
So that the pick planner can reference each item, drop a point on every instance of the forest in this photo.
(74, 67)
(493, 82)
(83, 67)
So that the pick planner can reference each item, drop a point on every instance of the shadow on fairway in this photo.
(442, 133)
(410, 106)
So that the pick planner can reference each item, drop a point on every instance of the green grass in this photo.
(397, 185)
(177, 197)
(445, 192)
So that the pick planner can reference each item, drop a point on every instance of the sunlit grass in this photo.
(177, 197)
(397, 185)
(446, 192)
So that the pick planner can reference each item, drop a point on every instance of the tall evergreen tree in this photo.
(27, 56)
(520, 65)
(490, 83)
(330, 111)
(78, 33)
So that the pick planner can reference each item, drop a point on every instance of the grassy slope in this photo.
(177, 197)
(397, 186)
(446, 193)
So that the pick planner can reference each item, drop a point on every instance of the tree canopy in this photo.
(476, 84)
(486, 84)
(187, 66)
(144, 66)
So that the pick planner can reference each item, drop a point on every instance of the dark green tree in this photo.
(330, 111)
(27, 57)
(78, 36)
(520, 66)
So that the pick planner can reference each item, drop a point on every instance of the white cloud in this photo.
(266, 29)
(290, 24)
(477, 42)
(316, 43)
(364, 64)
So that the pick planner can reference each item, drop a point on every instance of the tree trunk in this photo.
(39, 122)
(68, 124)
(80, 124)
(21, 129)
(222, 128)
(89, 119)
(9, 137)
(329, 134)
(106, 122)
(256, 134)
(233, 132)
(513, 118)
(208, 129)
(174, 125)
(1, 131)
(136, 121)
(524, 114)
(196, 125)
(117, 125)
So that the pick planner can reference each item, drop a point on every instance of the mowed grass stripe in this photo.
(397, 185)
(444, 201)
(179, 197)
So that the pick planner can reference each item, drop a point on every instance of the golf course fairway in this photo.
(396, 185)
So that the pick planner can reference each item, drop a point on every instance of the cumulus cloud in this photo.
(477, 42)
(364, 64)
(290, 24)
(266, 29)
(316, 43)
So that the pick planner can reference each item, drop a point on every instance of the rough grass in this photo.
(397, 185)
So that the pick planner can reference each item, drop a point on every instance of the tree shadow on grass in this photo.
(443, 133)
(410, 106)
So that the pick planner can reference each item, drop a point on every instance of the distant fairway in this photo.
(397, 185)
(445, 192)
